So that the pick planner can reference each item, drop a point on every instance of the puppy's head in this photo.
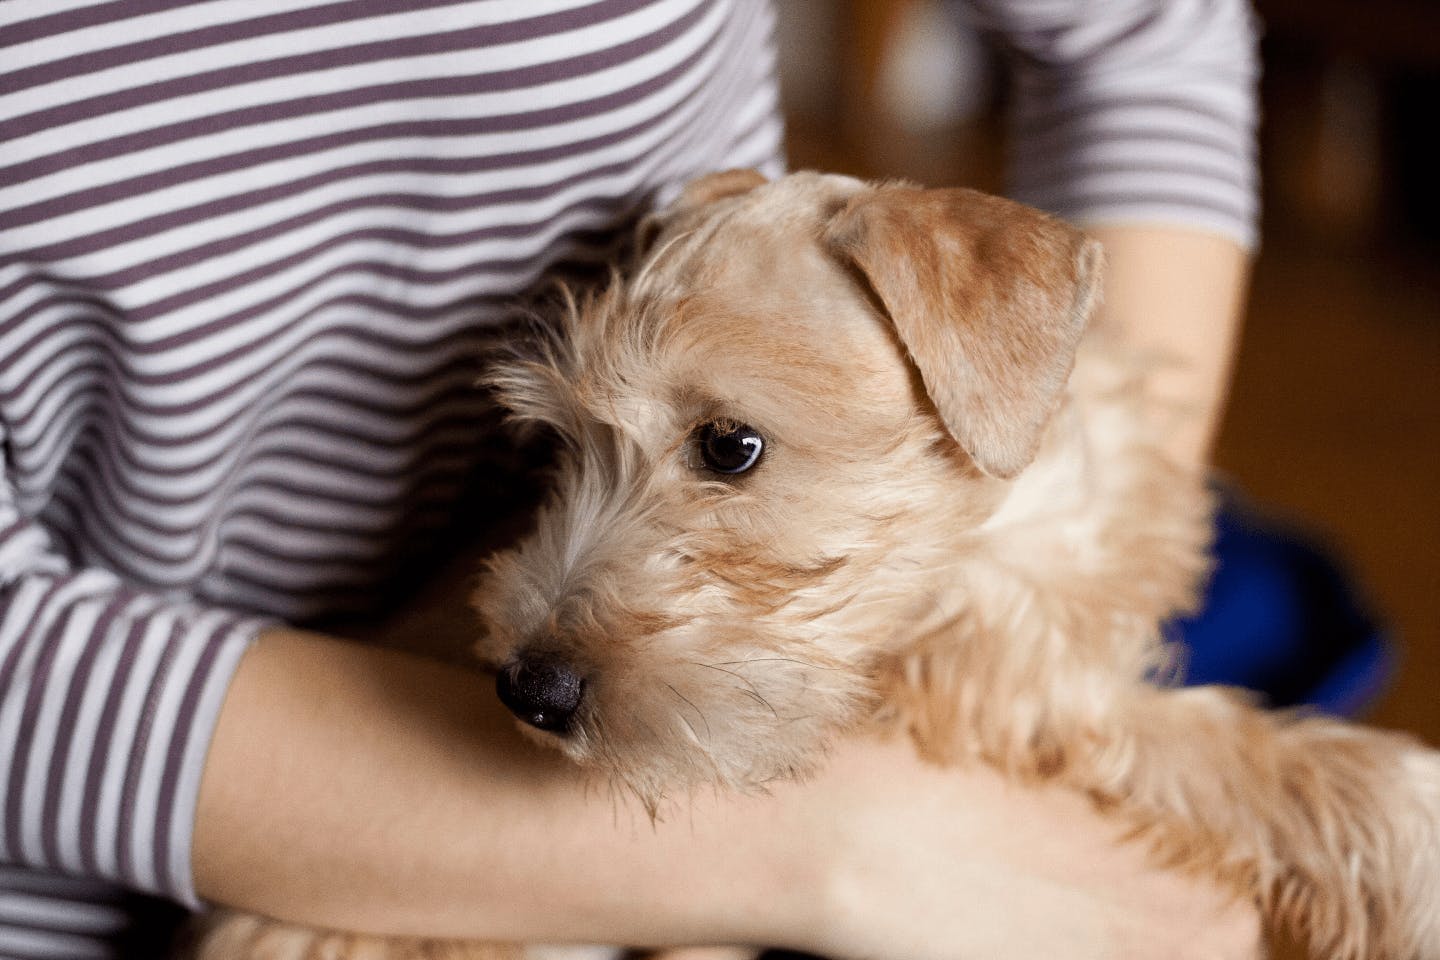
(777, 435)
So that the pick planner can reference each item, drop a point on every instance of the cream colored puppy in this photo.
(836, 454)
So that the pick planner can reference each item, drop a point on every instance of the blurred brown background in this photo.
(1334, 419)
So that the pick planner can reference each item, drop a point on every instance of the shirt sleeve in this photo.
(108, 699)
(1133, 111)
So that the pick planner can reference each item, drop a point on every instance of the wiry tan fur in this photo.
(950, 532)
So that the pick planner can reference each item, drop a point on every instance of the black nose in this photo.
(543, 693)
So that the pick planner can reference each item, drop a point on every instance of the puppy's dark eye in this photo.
(729, 447)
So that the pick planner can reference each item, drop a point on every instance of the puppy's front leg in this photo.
(231, 935)
(1336, 826)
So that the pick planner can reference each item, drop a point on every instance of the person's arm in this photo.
(1178, 294)
(108, 694)
(357, 788)
(1137, 121)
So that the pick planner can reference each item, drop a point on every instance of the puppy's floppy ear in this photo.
(989, 297)
(698, 193)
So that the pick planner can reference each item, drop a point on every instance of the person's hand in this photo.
(935, 864)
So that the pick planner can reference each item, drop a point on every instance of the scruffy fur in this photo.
(962, 527)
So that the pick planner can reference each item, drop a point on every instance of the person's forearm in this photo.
(367, 790)
(1178, 294)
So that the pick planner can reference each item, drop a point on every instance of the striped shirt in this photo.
(250, 251)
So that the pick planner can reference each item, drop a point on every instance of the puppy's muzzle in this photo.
(543, 693)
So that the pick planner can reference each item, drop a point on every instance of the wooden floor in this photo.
(1334, 420)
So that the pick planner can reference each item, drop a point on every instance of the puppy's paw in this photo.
(229, 935)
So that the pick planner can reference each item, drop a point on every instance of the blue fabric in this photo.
(1282, 617)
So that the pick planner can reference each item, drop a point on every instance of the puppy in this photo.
(839, 454)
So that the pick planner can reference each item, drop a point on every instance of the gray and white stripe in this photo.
(1134, 111)
(67, 918)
